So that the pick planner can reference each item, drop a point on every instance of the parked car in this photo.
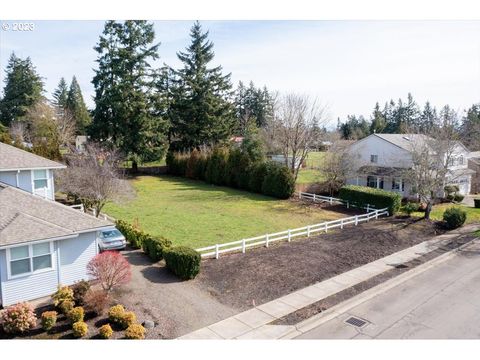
(111, 239)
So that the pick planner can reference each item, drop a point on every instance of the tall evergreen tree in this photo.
(125, 113)
(252, 103)
(23, 88)
(378, 123)
(76, 106)
(470, 129)
(428, 118)
(201, 111)
(60, 94)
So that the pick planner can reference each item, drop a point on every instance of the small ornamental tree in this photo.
(110, 268)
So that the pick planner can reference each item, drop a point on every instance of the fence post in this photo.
(94, 212)
(216, 251)
(376, 214)
(348, 204)
(356, 220)
(308, 231)
(289, 235)
(300, 195)
(243, 246)
(314, 198)
(326, 227)
(341, 223)
(331, 200)
(266, 240)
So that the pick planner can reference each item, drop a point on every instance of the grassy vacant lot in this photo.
(197, 214)
(473, 215)
(312, 173)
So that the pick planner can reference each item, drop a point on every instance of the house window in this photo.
(29, 259)
(374, 159)
(460, 160)
(398, 184)
(40, 179)
(372, 181)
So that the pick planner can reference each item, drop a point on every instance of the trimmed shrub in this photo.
(76, 314)
(18, 318)
(66, 306)
(116, 313)
(450, 189)
(257, 175)
(196, 165)
(80, 289)
(177, 163)
(278, 182)
(105, 331)
(458, 197)
(216, 164)
(362, 195)
(96, 301)
(80, 329)
(127, 319)
(476, 203)
(48, 319)
(410, 208)
(454, 217)
(135, 332)
(64, 293)
(133, 235)
(155, 246)
(183, 261)
(110, 268)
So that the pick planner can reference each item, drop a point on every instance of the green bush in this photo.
(196, 164)
(64, 293)
(80, 329)
(177, 163)
(411, 207)
(48, 319)
(458, 197)
(183, 261)
(76, 314)
(454, 217)
(257, 175)
(450, 189)
(476, 203)
(155, 246)
(135, 237)
(278, 182)
(216, 164)
(105, 331)
(378, 198)
(135, 332)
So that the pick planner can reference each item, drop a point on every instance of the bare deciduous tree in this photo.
(66, 126)
(93, 177)
(337, 164)
(294, 119)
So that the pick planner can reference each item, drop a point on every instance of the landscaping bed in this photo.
(261, 275)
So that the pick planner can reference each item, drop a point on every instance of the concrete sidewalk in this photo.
(440, 303)
(253, 323)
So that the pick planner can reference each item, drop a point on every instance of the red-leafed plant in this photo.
(110, 268)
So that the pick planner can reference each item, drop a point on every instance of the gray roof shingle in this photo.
(25, 217)
(12, 158)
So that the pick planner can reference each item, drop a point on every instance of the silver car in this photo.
(111, 239)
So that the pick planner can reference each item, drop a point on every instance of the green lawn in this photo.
(161, 162)
(312, 173)
(198, 214)
(315, 159)
(473, 215)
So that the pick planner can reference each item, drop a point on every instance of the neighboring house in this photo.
(382, 160)
(43, 244)
(81, 142)
(280, 159)
(474, 165)
(28, 171)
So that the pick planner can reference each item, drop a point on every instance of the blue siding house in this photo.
(43, 244)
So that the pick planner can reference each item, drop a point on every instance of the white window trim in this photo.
(30, 256)
(47, 189)
(373, 156)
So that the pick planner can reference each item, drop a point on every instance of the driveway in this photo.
(176, 307)
(440, 303)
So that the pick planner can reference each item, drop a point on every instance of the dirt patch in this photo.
(324, 304)
(261, 275)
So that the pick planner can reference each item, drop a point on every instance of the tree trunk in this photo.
(428, 210)
(134, 167)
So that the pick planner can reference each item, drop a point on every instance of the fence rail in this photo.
(331, 200)
(288, 235)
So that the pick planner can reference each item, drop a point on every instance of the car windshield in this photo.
(108, 234)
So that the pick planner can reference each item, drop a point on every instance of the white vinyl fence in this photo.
(332, 200)
(288, 235)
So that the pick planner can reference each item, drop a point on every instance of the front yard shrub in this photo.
(133, 235)
(76, 314)
(105, 331)
(80, 289)
(18, 318)
(97, 301)
(410, 208)
(458, 198)
(454, 217)
(80, 329)
(278, 182)
(64, 293)
(155, 246)
(66, 306)
(183, 261)
(48, 319)
(128, 318)
(257, 175)
(362, 195)
(110, 268)
(476, 203)
(135, 332)
(116, 313)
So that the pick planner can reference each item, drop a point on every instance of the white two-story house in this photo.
(381, 160)
(43, 244)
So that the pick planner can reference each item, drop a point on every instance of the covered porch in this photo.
(385, 178)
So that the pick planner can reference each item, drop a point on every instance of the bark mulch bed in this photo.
(324, 304)
(263, 274)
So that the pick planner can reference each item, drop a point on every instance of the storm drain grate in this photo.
(356, 322)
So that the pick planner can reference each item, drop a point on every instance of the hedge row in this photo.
(362, 195)
(233, 168)
(183, 261)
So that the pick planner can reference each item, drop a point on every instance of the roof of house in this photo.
(12, 158)
(25, 217)
(404, 141)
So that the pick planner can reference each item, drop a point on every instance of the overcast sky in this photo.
(346, 65)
